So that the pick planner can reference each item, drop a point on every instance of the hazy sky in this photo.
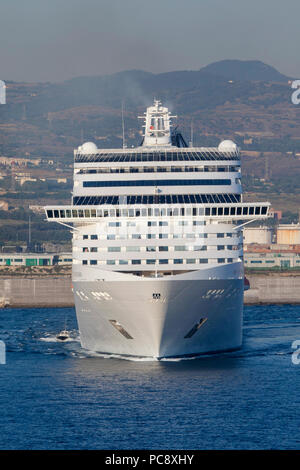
(47, 40)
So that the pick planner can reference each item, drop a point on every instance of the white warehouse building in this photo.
(259, 235)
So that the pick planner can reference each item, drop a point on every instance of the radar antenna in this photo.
(123, 128)
(192, 133)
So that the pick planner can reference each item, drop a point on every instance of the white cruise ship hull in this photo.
(165, 326)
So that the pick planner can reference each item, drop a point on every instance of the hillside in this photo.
(245, 70)
(47, 119)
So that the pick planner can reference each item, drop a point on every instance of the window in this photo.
(203, 260)
(152, 224)
(94, 249)
(180, 248)
(114, 249)
(163, 235)
(151, 235)
(84, 261)
(178, 261)
(176, 155)
(159, 199)
(123, 261)
(110, 262)
(114, 224)
(163, 261)
(150, 261)
(221, 260)
(221, 247)
(136, 261)
(191, 261)
(143, 182)
(264, 210)
(220, 235)
(94, 237)
(85, 237)
(111, 237)
(163, 248)
(136, 236)
(163, 224)
(132, 248)
(199, 222)
(200, 248)
(93, 261)
(150, 248)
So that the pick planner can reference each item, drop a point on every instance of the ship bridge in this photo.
(157, 126)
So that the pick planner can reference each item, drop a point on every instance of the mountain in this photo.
(249, 70)
(224, 99)
(205, 88)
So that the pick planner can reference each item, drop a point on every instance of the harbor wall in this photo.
(37, 292)
(273, 289)
(57, 291)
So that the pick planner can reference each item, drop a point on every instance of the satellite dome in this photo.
(88, 147)
(227, 146)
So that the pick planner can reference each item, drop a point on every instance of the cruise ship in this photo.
(157, 266)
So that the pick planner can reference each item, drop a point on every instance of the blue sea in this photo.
(58, 396)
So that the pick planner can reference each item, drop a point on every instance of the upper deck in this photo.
(144, 154)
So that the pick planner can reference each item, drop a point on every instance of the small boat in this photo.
(63, 335)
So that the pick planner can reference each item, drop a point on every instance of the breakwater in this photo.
(273, 289)
(56, 291)
(36, 292)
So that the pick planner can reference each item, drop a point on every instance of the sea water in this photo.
(56, 395)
